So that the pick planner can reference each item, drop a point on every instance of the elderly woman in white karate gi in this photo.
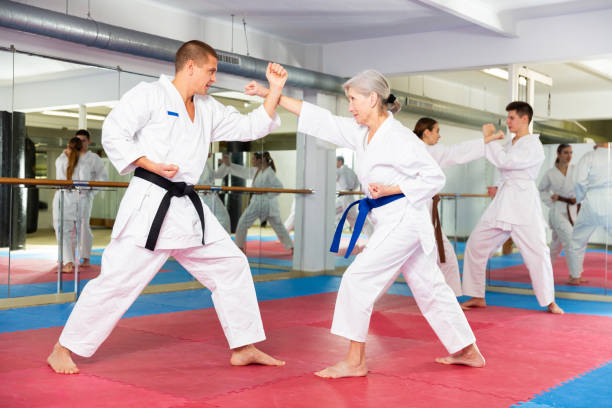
(70, 166)
(593, 190)
(557, 193)
(210, 198)
(162, 131)
(428, 130)
(262, 206)
(515, 211)
(393, 167)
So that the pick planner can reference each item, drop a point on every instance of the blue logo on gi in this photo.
(170, 113)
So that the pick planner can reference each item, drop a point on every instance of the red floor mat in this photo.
(594, 271)
(181, 360)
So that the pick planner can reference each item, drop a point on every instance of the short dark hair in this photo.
(340, 158)
(521, 108)
(83, 132)
(195, 50)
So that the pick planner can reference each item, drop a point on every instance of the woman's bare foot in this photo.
(60, 360)
(246, 355)
(344, 369)
(68, 268)
(85, 263)
(469, 356)
(555, 309)
(473, 302)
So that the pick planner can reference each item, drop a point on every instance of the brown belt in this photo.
(435, 219)
(569, 202)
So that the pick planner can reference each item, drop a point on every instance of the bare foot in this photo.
(60, 360)
(555, 309)
(246, 355)
(85, 263)
(469, 356)
(68, 268)
(576, 281)
(344, 369)
(473, 302)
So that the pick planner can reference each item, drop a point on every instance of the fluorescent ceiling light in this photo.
(601, 66)
(502, 74)
(71, 115)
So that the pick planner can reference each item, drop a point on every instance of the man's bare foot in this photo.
(469, 356)
(60, 360)
(344, 369)
(68, 268)
(555, 309)
(85, 263)
(473, 302)
(246, 355)
(576, 281)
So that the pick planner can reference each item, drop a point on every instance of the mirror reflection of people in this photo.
(70, 166)
(515, 212)
(557, 193)
(98, 173)
(399, 178)
(162, 132)
(262, 206)
(208, 197)
(346, 180)
(428, 130)
(593, 190)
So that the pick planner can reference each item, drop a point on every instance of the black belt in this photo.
(178, 189)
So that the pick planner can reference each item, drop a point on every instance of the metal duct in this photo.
(79, 30)
(88, 32)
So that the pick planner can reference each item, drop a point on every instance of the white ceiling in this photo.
(324, 21)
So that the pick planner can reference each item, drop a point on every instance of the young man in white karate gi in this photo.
(163, 131)
(514, 212)
(593, 190)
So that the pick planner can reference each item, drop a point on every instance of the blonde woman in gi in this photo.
(514, 212)
(593, 190)
(557, 193)
(405, 177)
(162, 131)
(428, 130)
(263, 206)
(70, 166)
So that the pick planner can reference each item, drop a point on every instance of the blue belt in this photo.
(365, 206)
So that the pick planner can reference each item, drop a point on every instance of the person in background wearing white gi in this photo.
(70, 166)
(263, 206)
(428, 130)
(162, 131)
(399, 183)
(515, 211)
(208, 179)
(98, 173)
(593, 190)
(557, 193)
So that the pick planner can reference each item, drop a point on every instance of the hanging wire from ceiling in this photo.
(246, 40)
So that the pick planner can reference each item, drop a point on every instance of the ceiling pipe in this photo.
(36, 20)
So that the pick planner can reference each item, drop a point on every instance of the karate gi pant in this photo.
(220, 211)
(67, 240)
(375, 269)
(450, 268)
(561, 233)
(586, 223)
(531, 242)
(128, 268)
(86, 234)
(261, 210)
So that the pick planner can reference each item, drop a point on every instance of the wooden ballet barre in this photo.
(122, 184)
(345, 193)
